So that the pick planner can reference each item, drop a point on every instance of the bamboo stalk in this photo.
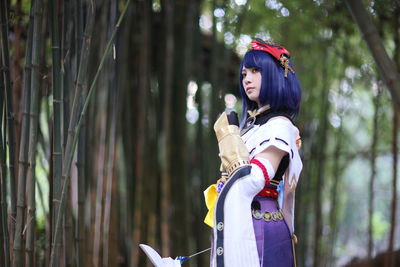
(66, 80)
(33, 132)
(57, 138)
(79, 33)
(80, 237)
(2, 167)
(82, 257)
(74, 130)
(68, 244)
(9, 105)
(111, 125)
(71, 247)
(110, 162)
(3, 193)
(66, 76)
(23, 153)
(2, 259)
(166, 152)
(57, 102)
(99, 193)
(69, 152)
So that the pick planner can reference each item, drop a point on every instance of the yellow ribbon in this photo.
(210, 195)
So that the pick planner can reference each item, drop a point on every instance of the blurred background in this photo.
(142, 127)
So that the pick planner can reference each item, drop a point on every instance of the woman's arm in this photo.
(274, 155)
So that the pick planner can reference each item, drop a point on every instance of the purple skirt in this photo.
(274, 241)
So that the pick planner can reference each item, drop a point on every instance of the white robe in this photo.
(239, 244)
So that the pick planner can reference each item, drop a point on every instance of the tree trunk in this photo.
(385, 65)
(389, 262)
(371, 194)
(169, 9)
(178, 159)
(142, 67)
(390, 257)
(337, 167)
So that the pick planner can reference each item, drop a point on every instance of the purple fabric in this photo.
(274, 242)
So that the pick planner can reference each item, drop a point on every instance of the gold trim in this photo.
(294, 241)
(268, 216)
(298, 144)
(274, 182)
(234, 166)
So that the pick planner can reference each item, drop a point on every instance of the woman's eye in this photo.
(244, 75)
(255, 70)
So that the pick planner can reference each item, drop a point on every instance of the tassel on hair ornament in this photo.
(285, 65)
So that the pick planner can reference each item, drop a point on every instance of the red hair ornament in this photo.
(275, 50)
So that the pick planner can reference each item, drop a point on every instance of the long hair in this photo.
(283, 94)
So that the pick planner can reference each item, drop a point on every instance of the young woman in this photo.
(261, 162)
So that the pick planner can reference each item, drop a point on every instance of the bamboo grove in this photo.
(106, 114)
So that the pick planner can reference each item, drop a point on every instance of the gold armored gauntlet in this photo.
(232, 150)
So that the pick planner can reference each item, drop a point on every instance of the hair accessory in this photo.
(285, 65)
(276, 50)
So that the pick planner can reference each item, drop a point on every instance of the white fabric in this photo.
(281, 133)
(169, 262)
(156, 259)
(240, 248)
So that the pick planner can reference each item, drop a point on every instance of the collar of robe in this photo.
(253, 117)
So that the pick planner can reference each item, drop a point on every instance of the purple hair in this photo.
(282, 94)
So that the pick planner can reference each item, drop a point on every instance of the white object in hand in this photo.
(156, 259)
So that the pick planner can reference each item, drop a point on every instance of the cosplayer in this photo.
(251, 207)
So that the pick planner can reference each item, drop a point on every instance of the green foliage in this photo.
(323, 38)
(328, 54)
(380, 226)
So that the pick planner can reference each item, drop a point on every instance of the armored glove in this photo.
(232, 150)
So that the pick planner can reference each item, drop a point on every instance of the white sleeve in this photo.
(239, 244)
(256, 181)
(278, 132)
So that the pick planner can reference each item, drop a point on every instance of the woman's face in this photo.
(252, 83)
